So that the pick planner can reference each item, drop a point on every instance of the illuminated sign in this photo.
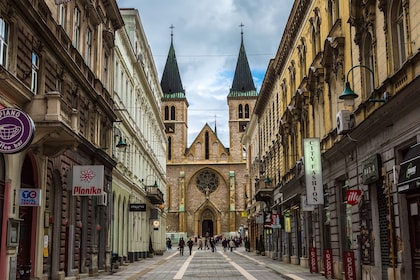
(313, 171)
(16, 130)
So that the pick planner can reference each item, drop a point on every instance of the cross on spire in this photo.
(241, 26)
(172, 29)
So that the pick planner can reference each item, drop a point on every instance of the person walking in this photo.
(231, 244)
(190, 244)
(224, 244)
(212, 244)
(200, 244)
(181, 246)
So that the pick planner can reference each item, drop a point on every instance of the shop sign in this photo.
(328, 264)
(287, 224)
(353, 196)
(349, 265)
(137, 207)
(305, 206)
(29, 197)
(371, 169)
(409, 174)
(88, 180)
(16, 130)
(313, 261)
(313, 171)
(275, 221)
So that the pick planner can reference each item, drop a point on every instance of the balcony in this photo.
(263, 190)
(154, 194)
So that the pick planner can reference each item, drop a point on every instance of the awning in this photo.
(409, 177)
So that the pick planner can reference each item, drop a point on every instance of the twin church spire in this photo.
(242, 85)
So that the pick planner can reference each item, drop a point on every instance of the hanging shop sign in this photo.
(275, 221)
(88, 180)
(353, 196)
(16, 130)
(306, 207)
(29, 197)
(313, 171)
(409, 175)
(371, 169)
(287, 223)
(137, 207)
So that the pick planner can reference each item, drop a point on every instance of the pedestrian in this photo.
(212, 244)
(231, 244)
(190, 244)
(181, 246)
(200, 244)
(168, 244)
(224, 244)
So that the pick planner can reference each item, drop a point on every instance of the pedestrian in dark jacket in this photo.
(224, 244)
(190, 244)
(181, 246)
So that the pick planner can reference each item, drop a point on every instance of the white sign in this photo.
(88, 180)
(305, 205)
(30, 197)
(313, 171)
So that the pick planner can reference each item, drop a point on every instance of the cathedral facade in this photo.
(206, 181)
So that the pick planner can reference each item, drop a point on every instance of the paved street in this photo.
(205, 264)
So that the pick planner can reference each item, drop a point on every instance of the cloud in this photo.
(207, 37)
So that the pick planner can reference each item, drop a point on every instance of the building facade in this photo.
(362, 222)
(138, 222)
(206, 181)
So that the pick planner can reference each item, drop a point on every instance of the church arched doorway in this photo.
(207, 228)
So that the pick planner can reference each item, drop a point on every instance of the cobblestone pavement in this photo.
(204, 264)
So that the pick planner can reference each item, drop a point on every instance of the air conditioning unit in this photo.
(102, 199)
(343, 121)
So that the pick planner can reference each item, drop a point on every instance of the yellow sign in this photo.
(287, 225)
(244, 214)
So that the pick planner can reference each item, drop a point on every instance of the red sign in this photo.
(328, 264)
(313, 261)
(353, 196)
(349, 266)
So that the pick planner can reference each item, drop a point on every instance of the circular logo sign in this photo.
(16, 130)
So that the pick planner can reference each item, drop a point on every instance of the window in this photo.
(169, 148)
(207, 181)
(4, 40)
(76, 28)
(173, 113)
(207, 145)
(62, 15)
(88, 46)
(35, 71)
(398, 32)
(240, 111)
(246, 111)
(106, 73)
(166, 113)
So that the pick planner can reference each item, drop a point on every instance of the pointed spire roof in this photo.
(171, 80)
(243, 84)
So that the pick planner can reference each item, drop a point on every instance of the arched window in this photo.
(368, 60)
(207, 145)
(240, 111)
(169, 148)
(166, 113)
(246, 111)
(173, 113)
(398, 40)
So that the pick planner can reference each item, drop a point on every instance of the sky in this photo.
(207, 37)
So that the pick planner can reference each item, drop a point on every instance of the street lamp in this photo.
(348, 95)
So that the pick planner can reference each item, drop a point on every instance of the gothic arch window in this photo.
(173, 113)
(246, 111)
(302, 57)
(169, 148)
(292, 73)
(166, 113)
(398, 35)
(368, 60)
(207, 181)
(207, 145)
(240, 111)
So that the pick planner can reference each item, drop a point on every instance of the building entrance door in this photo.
(207, 228)
(414, 220)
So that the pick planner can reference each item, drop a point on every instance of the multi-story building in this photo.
(138, 222)
(357, 214)
(56, 70)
